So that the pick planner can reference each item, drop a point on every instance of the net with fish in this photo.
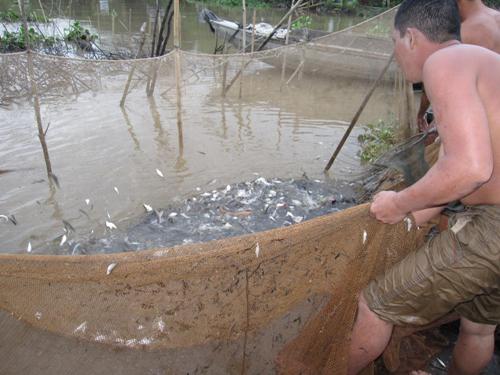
(282, 300)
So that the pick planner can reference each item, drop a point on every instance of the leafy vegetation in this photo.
(377, 139)
(13, 41)
(76, 32)
(16, 40)
(303, 22)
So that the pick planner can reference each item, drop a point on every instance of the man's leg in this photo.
(474, 348)
(370, 336)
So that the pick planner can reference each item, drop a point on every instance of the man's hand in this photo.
(385, 209)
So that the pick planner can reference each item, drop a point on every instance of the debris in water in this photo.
(110, 268)
(159, 173)
(13, 219)
(81, 328)
(172, 214)
(365, 235)
(116, 190)
(110, 225)
(38, 315)
(29, 247)
(87, 201)
(5, 218)
(67, 225)
(159, 215)
(257, 250)
(63, 240)
(108, 215)
(147, 207)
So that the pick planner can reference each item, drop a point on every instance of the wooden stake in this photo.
(178, 73)
(283, 67)
(254, 20)
(36, 99)
(244, 44)
(358, 113)
(132, 71)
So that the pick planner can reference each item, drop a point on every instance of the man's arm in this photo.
(466, 160)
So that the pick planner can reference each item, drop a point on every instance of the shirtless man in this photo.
(480, 26)
(458, 269)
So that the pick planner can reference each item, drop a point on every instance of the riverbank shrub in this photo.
(376, 139)
(15, 41)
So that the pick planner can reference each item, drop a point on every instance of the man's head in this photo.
(421, 26)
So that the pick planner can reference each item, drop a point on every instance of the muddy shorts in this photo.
(456, 270)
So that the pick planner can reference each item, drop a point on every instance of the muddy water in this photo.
(111, 162)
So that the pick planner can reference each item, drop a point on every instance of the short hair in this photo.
(438, 20)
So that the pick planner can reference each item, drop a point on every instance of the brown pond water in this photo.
(108, 157)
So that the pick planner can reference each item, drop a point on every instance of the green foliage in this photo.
(377, 139)
(9, 16)
(16, 40)
(77, 32)
(303, 22)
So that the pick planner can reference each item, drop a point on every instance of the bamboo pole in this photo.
(358, 113)
(283, 67)
(36, 99)
(166, 17)
(244, 44)
(132, 71)
(177, 45)
(155, 28)
(129, 20)
(254, 20)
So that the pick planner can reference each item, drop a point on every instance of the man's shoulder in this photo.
(452, 64)
(480, 30)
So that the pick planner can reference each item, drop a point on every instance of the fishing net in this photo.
(282, 300)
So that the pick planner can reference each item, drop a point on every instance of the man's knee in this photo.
(470, 328)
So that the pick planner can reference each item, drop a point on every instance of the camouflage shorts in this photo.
(456, 270)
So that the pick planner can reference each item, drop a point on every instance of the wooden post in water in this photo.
(358, 113)
(36, 99)
(283, 67)
(130, 20)
(244, 45)
(132, 71)
(254, 20)
(178, 72)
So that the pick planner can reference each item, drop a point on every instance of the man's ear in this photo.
(411, 37)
